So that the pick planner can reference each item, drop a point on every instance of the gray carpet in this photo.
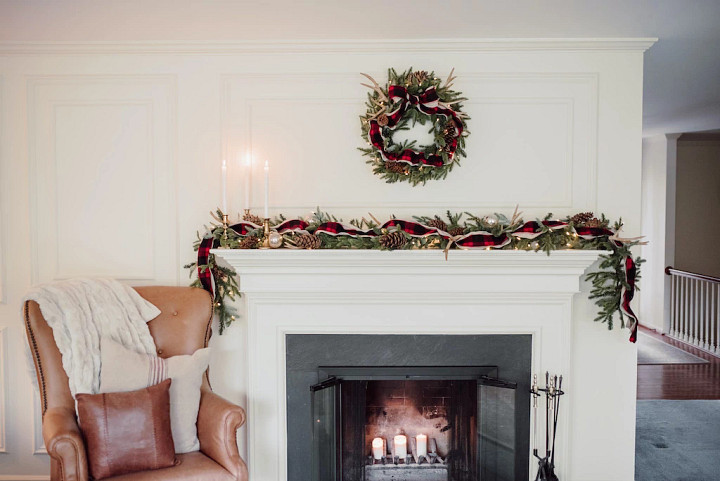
(677, 441)
(652, 351)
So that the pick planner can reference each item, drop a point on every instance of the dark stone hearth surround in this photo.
(305, 352)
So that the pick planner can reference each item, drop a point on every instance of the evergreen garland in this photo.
(607, 282)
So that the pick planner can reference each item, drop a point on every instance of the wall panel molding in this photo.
(553, 114)
(3, 394)
(3, 170)
(23, 477)
(38, 440)
(102, 163)
(332, 46)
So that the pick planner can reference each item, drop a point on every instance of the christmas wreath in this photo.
(409, 98)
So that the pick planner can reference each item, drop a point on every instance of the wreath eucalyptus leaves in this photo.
(406, 99)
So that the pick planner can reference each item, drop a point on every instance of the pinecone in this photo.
(253, 218)
(382, 120)
(249, 242)
(456, 231)
(420, 76)
(438, 224)
(308, 241)
(594, 223)
(393, 240)
(582, 218)
(395, 167)
(449, 134)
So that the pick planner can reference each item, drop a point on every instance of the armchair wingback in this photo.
(183, 327)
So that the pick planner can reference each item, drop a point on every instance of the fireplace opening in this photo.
(502, 446)
(413, 423)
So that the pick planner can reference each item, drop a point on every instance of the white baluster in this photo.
(683, 329)
(673, 306)
(706, 315)
(696, 314)
(716, 324)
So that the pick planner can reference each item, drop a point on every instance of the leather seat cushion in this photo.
(190, 466)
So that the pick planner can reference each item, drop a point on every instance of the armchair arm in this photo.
(217, 424)
(65, 444)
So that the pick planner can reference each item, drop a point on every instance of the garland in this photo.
(409, 98)
(613, 284)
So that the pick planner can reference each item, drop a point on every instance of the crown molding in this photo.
(326, 46)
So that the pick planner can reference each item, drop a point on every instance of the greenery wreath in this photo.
(409, 98)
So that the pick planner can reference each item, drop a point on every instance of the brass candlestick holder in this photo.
(266, 234)
(225, 224)
(272, 239)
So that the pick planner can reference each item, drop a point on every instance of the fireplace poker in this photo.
(547, 414)
(535, 395)
(557, 408)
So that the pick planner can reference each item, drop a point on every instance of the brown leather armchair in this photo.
(183, 327)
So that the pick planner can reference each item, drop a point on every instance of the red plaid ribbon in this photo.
(627, 295)
(427, 103)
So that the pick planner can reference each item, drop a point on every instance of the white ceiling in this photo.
(682, 71)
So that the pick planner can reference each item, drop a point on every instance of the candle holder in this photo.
(225, 224)
(266, 234)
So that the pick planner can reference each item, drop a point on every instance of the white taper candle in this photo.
(267, 189)
(248, 175)
(224, 187)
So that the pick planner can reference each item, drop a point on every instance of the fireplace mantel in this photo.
(474, 292)
(421, 270)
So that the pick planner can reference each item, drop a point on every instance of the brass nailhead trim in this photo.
(37, 356)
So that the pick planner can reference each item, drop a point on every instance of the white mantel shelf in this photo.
(408, 270)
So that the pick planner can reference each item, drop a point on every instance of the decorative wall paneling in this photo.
(110, 160)
(544, 125)
(3, 381)
(102, 177)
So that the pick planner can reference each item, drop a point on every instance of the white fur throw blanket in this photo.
(81, 311)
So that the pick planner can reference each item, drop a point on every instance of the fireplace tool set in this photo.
(553, 391)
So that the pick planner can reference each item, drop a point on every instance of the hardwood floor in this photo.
(679, 381)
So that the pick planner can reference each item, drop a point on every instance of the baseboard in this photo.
(23, 477)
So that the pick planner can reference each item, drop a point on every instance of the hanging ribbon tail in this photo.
(627, 295)
(205, 275)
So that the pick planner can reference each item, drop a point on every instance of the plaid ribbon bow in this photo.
(428, 103)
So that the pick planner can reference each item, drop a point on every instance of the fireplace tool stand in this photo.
(553, 391)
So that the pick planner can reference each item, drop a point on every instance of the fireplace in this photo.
(291, 299)
(405, 407)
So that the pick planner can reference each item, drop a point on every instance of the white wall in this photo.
(658, 225)
(110, 161)
(698, 206)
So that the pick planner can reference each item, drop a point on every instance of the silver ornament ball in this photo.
(275, 240)
(490, 220)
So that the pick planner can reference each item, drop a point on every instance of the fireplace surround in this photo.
(418, 293)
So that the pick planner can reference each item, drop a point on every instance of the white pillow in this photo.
(125, 370)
